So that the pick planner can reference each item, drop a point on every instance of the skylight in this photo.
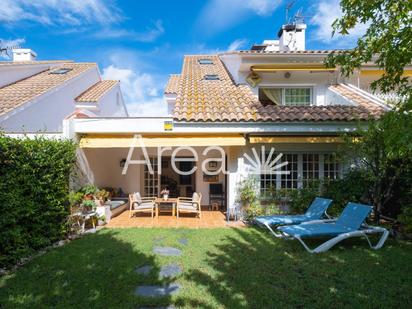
(61, 71)
(205, 61)
(211, 77)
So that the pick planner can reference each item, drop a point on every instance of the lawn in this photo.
(222, 268)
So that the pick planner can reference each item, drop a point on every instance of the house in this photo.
(229, 114)
(35, 96)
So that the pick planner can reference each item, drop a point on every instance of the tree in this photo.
(387, 42)
(384, 154)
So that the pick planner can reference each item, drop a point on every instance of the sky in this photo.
(141, 42)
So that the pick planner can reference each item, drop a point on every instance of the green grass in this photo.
(223, 268)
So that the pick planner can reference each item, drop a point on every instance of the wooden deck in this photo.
(210, 219)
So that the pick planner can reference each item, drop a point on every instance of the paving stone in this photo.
(157, 290)
(183, 241)
(168, 307)
(170, 271)
(167, 251)
(144, 270)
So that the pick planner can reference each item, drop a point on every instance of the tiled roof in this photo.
(22, 91)
(222, 100)
(172, 84)
(98, 90)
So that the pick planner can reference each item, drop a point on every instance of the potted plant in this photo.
(89, 205)
(102, 196)
(247, 194)
(165, 193)
(89, 191)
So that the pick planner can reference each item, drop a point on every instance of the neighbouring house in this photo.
(277, 95)
(35, 96)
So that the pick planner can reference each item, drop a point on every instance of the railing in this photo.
(390, 97)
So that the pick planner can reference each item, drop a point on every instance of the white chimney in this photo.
(292, 37)
(24, 54)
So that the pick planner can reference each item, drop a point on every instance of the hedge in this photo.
(34, 186)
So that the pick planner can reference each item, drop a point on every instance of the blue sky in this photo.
(141, 42)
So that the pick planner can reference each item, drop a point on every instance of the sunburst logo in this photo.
(266, 163)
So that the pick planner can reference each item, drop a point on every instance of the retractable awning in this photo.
(406, 73)
(290, 67)
(125, 141)
(295, 139)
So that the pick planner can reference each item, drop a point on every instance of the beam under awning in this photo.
(291, 67)
(295, 139)
(126, 141)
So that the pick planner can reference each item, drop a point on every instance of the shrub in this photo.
(300, 199)
(34, 192)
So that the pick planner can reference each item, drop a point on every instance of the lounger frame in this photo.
(363, 232)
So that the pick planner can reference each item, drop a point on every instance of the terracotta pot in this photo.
(88, 197)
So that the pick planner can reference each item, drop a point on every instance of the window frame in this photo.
(284, 87)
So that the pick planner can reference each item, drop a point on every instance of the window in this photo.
(285, 96)
(331, 167)
(297, 96)
(303, 168)
(310, 168)
(151, 181)
(290, 181)
(61, 71)
(211, 77)
(205, 61)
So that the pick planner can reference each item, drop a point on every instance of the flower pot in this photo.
(165, 197)
(88, 197)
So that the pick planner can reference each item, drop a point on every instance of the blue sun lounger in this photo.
(349, 224)
(316, 211)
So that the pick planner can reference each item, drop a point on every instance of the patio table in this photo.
(161, 201)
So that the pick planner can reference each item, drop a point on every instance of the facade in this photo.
(243, 103)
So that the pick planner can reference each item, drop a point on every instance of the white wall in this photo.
(46, 113)
(111, 104)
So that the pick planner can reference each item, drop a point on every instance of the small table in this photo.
(170, 201)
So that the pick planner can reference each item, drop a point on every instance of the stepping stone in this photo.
(144, 270)
(183, 241)
(157, 290)
(167, 251)
(168, 307)
(170, 271)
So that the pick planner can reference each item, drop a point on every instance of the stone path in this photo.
(166, 272)
(167, 251)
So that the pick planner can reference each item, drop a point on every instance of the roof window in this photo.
(61, 71)
(205, 61)
(211, 77)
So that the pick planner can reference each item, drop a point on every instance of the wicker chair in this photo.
(190, 205)
(141, 204)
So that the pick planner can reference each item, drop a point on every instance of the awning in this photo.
(406, 73)
(290, 67)
(295, 139)
(125, 141)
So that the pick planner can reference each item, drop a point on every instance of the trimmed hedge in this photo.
(34, 187)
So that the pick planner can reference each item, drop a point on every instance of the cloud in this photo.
(52, 12)
(236, 44)
(142, 92)
(10, 44)
(220, 15)
(325, 14)
(150, 35)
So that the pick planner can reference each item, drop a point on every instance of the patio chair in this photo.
(141, 204)
(190, 205)
(316, 211)
(349, 224)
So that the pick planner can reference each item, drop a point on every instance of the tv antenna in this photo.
(5, 49)
(298, 18)
(288, 7)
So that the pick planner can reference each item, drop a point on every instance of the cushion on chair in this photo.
(144, 206)
(187, 207)
(137, 197)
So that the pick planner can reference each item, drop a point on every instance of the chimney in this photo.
(292, 37)
(24, 54)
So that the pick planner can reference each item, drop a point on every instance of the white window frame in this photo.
(293, 86)
(277, 179)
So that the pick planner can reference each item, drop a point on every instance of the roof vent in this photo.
(61, 71)
(211, 77)
(205, 61)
